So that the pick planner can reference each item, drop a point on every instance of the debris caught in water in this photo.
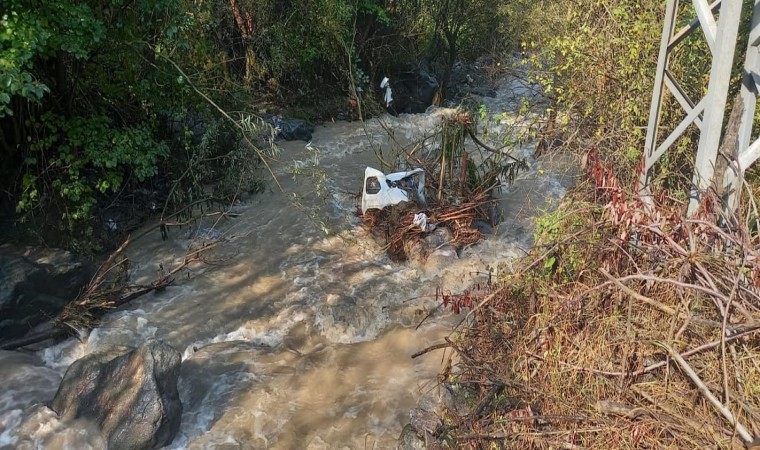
(394, 206)
(382, 190)
(388, 96)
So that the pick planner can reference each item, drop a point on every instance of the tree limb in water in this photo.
(491, 149)
(101, 296)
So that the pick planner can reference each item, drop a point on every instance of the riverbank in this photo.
(608, 333)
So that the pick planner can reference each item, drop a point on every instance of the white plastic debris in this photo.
(381, 190)
(386, 84)
(420, 220)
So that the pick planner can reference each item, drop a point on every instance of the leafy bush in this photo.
(71, 159)
(597, 65)
(83, 96)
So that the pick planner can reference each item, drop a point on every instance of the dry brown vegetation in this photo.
(394, 225)
(625, 328)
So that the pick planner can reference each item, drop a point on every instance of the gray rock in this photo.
(483, 226)
(484, 91)
(132, 398)
(423, 420)
(35, 285)
(410, 440)
(436, 400)
(292, 129)
(456, 401)
(413, 439)
(413, 90)
(439, 237)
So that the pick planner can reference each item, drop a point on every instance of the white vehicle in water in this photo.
(381, 190)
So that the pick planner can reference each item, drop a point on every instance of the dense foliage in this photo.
(596, 60)
(84, 94)
(99, 99)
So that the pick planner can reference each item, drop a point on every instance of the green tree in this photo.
(82, 96)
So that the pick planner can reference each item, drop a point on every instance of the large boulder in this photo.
(35, 285)
(132, 398)
(291, 129)
(413, 91)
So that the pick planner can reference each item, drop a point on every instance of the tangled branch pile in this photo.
(460, 185)
(625, 328)
(394, 225)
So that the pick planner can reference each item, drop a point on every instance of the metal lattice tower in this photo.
(709, 112)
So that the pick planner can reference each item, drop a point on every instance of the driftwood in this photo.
(103, 293)
(55, 333)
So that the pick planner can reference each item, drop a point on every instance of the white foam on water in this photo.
(25, 384)
(40, 428)
(9, 421)
(197, 421)
(63, 354)
(253, 332)
(124, 328)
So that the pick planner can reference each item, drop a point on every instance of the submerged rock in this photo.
(132, 398)
(439, 237)
(35, 285)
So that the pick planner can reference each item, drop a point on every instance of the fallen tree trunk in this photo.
(34, 338)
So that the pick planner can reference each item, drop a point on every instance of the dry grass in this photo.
(615, 333)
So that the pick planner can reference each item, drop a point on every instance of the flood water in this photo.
(294, 338)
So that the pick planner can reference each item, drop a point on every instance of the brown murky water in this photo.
(299, 339)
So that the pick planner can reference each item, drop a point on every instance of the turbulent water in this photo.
(294, 338)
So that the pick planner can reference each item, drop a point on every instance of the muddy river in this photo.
(298, 339)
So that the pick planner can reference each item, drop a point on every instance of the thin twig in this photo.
(727, 398)
(431, 348)
(723, 409)
(655, 304)
(492, 150)
(657, 365)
